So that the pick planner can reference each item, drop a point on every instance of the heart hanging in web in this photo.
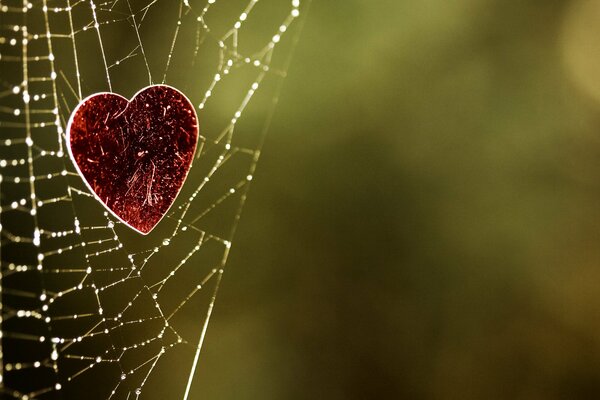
(134, 155)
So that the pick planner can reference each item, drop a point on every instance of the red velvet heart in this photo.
(134, 155)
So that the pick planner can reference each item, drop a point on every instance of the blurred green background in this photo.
(424, 222)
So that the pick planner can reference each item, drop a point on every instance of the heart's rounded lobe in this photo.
(134, 155)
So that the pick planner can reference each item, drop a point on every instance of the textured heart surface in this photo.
(134, 155)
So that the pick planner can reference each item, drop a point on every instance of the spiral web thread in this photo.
(90, 309)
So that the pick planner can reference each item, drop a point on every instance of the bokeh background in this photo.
(424, 222)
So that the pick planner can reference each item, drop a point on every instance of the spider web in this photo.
(89, 308)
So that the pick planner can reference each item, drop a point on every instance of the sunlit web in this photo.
(91, 309)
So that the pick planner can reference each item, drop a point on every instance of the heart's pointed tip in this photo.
(140, 230)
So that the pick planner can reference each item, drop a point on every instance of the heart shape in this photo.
(134, 155)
